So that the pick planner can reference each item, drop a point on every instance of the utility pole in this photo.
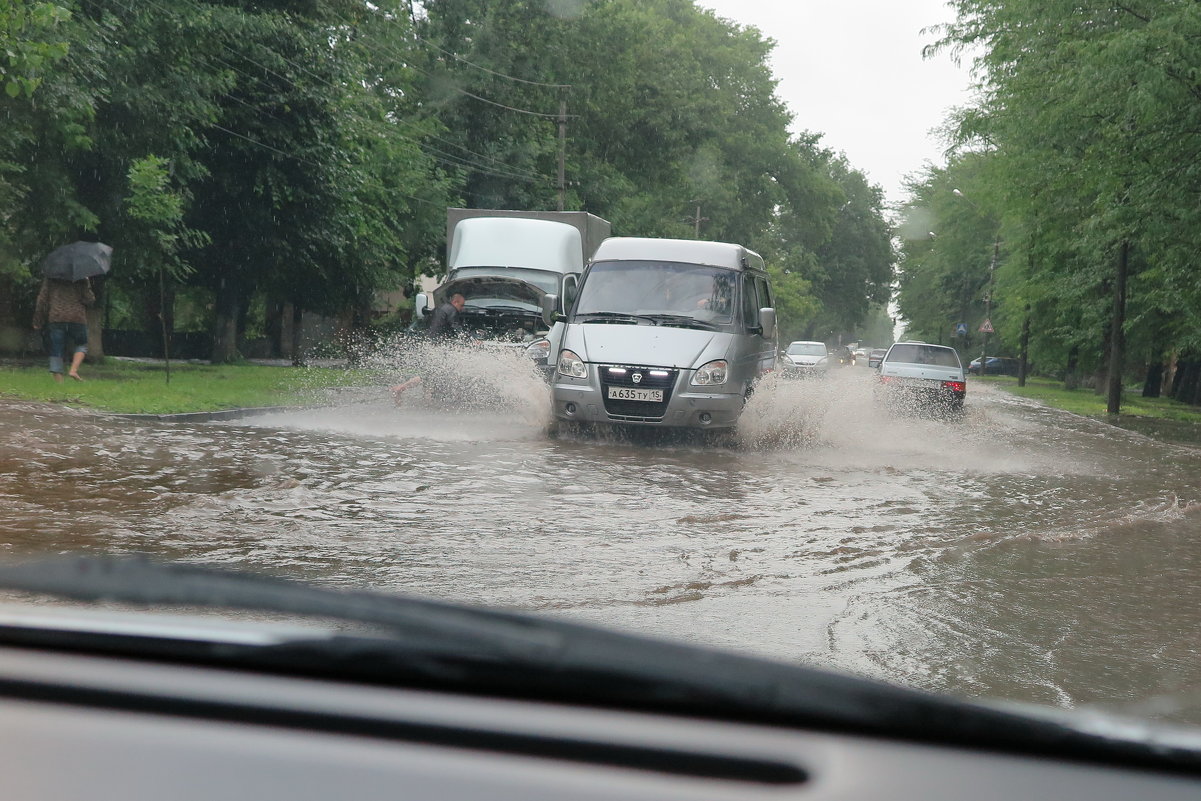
(697, 220)
(562, 150)
(987, 327)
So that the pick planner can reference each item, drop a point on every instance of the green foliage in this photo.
(1086, 136)
(306, 151)
(30, 50)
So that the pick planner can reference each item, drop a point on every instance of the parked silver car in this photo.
(665, 332)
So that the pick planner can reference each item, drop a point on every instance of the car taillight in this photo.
(954, 386)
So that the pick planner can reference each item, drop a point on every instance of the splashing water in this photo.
(486, 377)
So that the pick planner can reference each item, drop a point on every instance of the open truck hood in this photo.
(489, 290)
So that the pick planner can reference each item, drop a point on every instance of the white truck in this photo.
(504, 261)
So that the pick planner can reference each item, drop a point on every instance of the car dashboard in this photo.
(78, 725)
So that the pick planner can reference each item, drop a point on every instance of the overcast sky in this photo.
(853, 71)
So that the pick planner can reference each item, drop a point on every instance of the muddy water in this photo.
(1018, 552)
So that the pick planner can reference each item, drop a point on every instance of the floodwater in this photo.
(1017, 553)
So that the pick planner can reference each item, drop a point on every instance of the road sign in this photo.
(960, 329)
(986, 327)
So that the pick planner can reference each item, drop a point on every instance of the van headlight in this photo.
(710, 374)
(538, 350)
(572, 365)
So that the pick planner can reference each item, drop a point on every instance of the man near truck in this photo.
(446, 323)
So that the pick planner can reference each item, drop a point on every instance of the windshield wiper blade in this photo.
(136, 580)
(682, 320)
(490, 652)
(609, 317)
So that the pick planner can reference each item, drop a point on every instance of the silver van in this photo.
(665, 332)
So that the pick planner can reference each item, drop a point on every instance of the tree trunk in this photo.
(1024, 349)
(12, 333)
(1117, 338)
(298, 359)
(225, 323)
(274, 324)
(1071, 375)
(1154, 380)
(1188, 383)
(96, 322)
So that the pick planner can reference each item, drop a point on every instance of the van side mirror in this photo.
(421, 304)
(767, 323)
(550, 309)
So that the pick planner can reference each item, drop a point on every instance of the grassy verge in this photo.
(1162, 418)
(1089, 403)
(137, 388)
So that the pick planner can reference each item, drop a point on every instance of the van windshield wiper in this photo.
(680, 320)
(608, 317)
(409, 642)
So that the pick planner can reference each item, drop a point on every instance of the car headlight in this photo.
(572, 365)
(538, 350)
(710, 374)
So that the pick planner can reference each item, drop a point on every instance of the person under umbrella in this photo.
(63, 299)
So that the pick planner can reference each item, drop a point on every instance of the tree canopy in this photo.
(1082, 155)
(306, 150)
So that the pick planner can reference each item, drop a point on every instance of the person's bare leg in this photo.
(58, 377)
(76, 360)
(398, 390)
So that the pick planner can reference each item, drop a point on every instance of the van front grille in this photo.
(618, 375)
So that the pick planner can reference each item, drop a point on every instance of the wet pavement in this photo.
(1018, 552)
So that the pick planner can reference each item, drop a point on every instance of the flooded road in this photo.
(1018, 553)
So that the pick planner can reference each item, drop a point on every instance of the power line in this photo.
(458, 161)
(459, 58)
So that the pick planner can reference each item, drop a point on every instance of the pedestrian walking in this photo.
(62, 310)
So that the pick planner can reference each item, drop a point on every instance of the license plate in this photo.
(630, 393)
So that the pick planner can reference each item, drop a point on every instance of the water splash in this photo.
(490, 377)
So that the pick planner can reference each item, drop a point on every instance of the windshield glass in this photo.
(658, 288)
(227, 337)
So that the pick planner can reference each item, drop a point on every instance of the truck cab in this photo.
(504, 262)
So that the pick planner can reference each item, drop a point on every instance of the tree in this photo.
(1090, 115)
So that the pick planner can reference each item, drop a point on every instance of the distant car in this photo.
(860, 355)
(995, 365)
(918, 376)
(875, 356)
(803, 358)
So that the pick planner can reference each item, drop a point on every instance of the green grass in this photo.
(137, 388)
(1091, 404)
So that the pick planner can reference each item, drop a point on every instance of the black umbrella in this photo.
(77, 260)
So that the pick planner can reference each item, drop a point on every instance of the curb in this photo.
(208, 417)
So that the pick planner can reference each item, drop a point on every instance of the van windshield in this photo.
(658, 289)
